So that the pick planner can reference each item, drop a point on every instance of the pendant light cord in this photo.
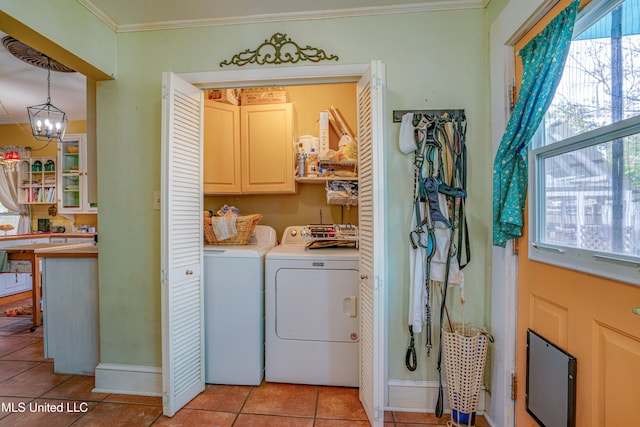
(48, 80)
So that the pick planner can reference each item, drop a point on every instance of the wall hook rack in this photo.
(397, 114)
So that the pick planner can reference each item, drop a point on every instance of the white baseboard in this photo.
(128, 379)
(421, 396)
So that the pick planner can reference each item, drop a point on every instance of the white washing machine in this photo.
(312, 323)
(234, 310)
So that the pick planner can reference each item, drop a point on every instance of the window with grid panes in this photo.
(584, 168)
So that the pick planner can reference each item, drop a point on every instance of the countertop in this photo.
(44, 234)
(57, 250)
(71, 252)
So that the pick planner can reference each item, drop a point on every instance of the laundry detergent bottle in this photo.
(347, 148)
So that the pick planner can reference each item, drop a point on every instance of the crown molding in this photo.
(106, 19)
(442, 5)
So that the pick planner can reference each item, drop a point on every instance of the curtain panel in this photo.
(543, 60)
(9, 197)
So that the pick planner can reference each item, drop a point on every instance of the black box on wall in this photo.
(44, 225)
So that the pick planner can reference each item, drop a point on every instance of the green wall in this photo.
(83, 41)
(434, 60)
(494, 8)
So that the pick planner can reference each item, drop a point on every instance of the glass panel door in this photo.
(70, 170)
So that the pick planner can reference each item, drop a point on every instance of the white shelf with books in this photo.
(37, 180)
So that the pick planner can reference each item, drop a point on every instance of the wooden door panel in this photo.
(616, 382)
(550, 320)
(592, 319)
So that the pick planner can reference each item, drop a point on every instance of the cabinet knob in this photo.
(189, 272)
(364, 277)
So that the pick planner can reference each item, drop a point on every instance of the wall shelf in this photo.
(323, 179)
(37, 181)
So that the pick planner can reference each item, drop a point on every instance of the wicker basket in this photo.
(465, 351)
(244, 226)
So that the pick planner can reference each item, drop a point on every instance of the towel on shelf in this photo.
(224, 226)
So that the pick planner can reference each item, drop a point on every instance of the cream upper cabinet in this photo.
(248, 149)
(267, 148)
(221, 168)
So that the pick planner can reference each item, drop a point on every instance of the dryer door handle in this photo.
(350, 306)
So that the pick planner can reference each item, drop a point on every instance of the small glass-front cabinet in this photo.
(72, 176)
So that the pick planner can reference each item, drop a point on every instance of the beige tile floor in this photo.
(30, 391)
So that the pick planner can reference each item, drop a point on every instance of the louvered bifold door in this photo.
(371, 109)
(181, 244)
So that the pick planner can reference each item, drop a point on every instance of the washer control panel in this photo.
(293, 235)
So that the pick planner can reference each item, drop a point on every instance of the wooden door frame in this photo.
(305, 75)
(517, 17)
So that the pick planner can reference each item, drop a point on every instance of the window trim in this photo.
(618, 267)
(592, 12)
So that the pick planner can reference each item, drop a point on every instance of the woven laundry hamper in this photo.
(465, 351)
(245, 225)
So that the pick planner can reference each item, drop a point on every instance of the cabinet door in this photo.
(70, 200)
(267, 148)
(72, 175)
(221, 166)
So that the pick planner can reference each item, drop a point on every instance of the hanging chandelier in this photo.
(48, 122)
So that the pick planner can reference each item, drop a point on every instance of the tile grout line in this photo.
(315, 411)
(4, 357)
(155, 420)
(244, 402)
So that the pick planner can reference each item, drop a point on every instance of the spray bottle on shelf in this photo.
(301, 164)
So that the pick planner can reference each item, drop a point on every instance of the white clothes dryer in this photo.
(234, 309)
(311, 304)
